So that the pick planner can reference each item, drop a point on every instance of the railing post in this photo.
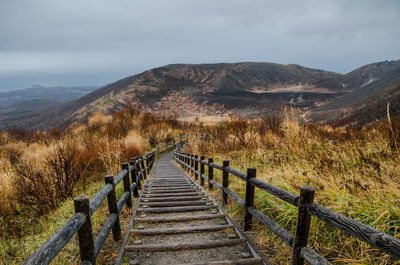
(136, 169)
(225, 182)
(143, 168)
(201, 170)
(302, 224)
(139, 169)
(113, 207)
(127, 184)
(85, 233)
(210, 173)
(133, 178)
(186, 161)
(192, 164)
(249, 200)
(196, 167)
(147, 165)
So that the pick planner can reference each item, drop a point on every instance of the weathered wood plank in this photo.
(214, 165)
(99, 198)
(120, 176)
(313, 257)
(148, 191)
(162, 199)
(376, 238)
(185, 245)
(250, 261)
(174, 203)
(183, 218)
(216, 184)
(234, 196)
(103, 233)
(123, 200)
(49, 250)
(177, 209)
(182, 230)
(272, 225)
(236, 173)
(175, 194)
(277, 192)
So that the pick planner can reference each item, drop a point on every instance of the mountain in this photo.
(369, 88)
(57, 94)
(238, 89)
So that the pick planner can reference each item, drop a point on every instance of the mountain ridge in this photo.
(246, 89)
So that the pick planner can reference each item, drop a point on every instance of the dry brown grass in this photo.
(354, 172)
(40, 171)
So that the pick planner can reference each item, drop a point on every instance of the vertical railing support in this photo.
(133, 178)
(201, 170)
(113, 207)
(143, 167)
(136, 168)
(225, 182)
(196, 167)
(210, 173)
(249, 200)
(192, 164)
(127, 184)
(302, 224)
(85, 233)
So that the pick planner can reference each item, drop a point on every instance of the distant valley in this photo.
(239, 89)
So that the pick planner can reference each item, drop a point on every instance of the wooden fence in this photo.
(132, 174)
(306, 208)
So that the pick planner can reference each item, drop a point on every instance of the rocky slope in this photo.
(242, 89)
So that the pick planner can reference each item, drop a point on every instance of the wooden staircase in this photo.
(177, 222)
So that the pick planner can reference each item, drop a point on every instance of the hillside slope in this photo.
(240, 89)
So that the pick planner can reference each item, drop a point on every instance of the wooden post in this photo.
(127, 185)
(137, 170)
(148, 160)
(186, 161)
(196, 167)
(201, 170)
(113, 207)
(210, 173)
(133, 178)
(192, 164)
(249, 200)
(225, 182)
(302, 224)
(85, 233)
(143, 167)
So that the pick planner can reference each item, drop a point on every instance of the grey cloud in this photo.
(60, 41)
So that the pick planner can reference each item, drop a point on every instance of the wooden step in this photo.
(183, 218)
(168, 191)
(177, 209)
(157, 187)
(181, 230)
(175, 194)
(250, 261)
(167, 199)
(174, 203)
(185, 245)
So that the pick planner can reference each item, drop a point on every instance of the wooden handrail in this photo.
(131, 174)
(384, 242)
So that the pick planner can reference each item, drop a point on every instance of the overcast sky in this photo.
(95, 42)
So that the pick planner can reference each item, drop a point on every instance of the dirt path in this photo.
(177, 222)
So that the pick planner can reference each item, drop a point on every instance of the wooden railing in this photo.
(306, 208)
(132, 174)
